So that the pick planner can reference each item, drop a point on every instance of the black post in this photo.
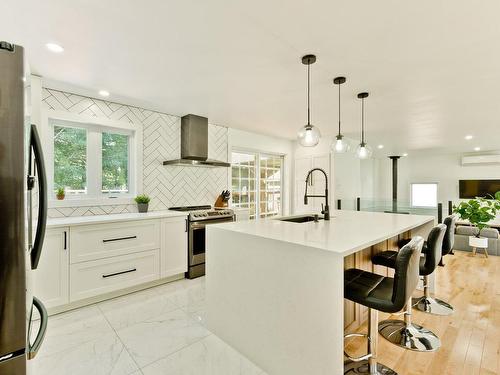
(339, 204)
(450, 208)
(358, 204)
(440, 213)
(394, 182)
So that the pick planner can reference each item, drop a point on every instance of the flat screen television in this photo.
(469, 189)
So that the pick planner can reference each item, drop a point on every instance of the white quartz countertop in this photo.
(97, 219)
(345, 233)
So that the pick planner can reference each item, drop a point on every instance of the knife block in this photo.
(220, 203)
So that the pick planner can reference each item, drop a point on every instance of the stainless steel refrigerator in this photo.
(23, 212)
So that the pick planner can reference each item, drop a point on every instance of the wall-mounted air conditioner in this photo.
(481, 160)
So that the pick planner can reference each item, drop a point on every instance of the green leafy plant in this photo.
(479, 211)
(142, 199)
(60, 191)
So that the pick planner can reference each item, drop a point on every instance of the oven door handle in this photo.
(202, 224)
(197, 226)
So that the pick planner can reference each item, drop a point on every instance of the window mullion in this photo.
(257, 185)
(94, 157)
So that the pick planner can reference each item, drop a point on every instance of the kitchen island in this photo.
(275, 289)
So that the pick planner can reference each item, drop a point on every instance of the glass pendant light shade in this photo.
(364, 151)
(308, 136)
(341, 145)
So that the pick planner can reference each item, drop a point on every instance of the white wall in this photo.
(243, 140)
(167, 186)
(354, 178)
(446, 170)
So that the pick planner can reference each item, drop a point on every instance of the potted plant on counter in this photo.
(142, 202)
(478, 212)
(60, 193)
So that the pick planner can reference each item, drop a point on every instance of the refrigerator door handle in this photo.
(36, 251)
(44, 317)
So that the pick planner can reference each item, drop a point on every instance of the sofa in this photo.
(462, 234)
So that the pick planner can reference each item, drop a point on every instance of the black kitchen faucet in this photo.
(326, 209)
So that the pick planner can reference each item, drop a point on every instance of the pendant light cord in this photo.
(363, 120)
(339, 109)
(308, 92)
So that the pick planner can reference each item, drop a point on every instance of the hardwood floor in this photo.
(470, 337)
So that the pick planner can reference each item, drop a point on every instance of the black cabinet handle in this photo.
(119, 239)
(119, 273)
(187, 225)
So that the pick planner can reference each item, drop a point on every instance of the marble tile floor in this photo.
(158, 331)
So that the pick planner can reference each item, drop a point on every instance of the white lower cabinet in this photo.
(86, 261)
(174, 248)
(91, 242)
(90, 279)
(51, 278)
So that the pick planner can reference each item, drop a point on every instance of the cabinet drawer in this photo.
(91, 242)
(89, 279)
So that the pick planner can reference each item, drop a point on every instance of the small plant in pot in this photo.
(142, 202)
(478, 212)
(60, 193)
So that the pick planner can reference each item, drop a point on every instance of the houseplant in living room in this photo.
(142, 202)
(478, 212)
(60, 193)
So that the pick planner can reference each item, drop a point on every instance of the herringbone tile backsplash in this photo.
(166, 185)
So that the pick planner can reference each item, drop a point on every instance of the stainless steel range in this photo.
(199, 217)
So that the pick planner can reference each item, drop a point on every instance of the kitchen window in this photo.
(424, 194)
(91, 162)
(257, 183)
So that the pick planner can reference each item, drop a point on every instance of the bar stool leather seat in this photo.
(369, 289)
(388, 258)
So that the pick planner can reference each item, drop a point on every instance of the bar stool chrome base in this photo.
(363, 367)
(409, 336)
(432, 306)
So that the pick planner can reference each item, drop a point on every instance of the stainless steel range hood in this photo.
(194, 144)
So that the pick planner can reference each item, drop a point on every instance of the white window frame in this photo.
(258, 155)
(424, 183)
(95, 126)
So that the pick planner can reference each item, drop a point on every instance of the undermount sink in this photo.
(300, 219)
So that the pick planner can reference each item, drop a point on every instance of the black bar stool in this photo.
(380, 293)
(426, 303)
(404, 333)
(449, 237)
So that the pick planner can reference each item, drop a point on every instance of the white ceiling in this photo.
(432, 67)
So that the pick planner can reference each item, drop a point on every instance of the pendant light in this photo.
(363, 151)
(308, 135)
(340, 146)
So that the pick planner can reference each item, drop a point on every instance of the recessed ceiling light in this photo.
(104, 93)
(380, 147)
(405, 154)
(477, 148)
(53, 47)
(468, 137)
